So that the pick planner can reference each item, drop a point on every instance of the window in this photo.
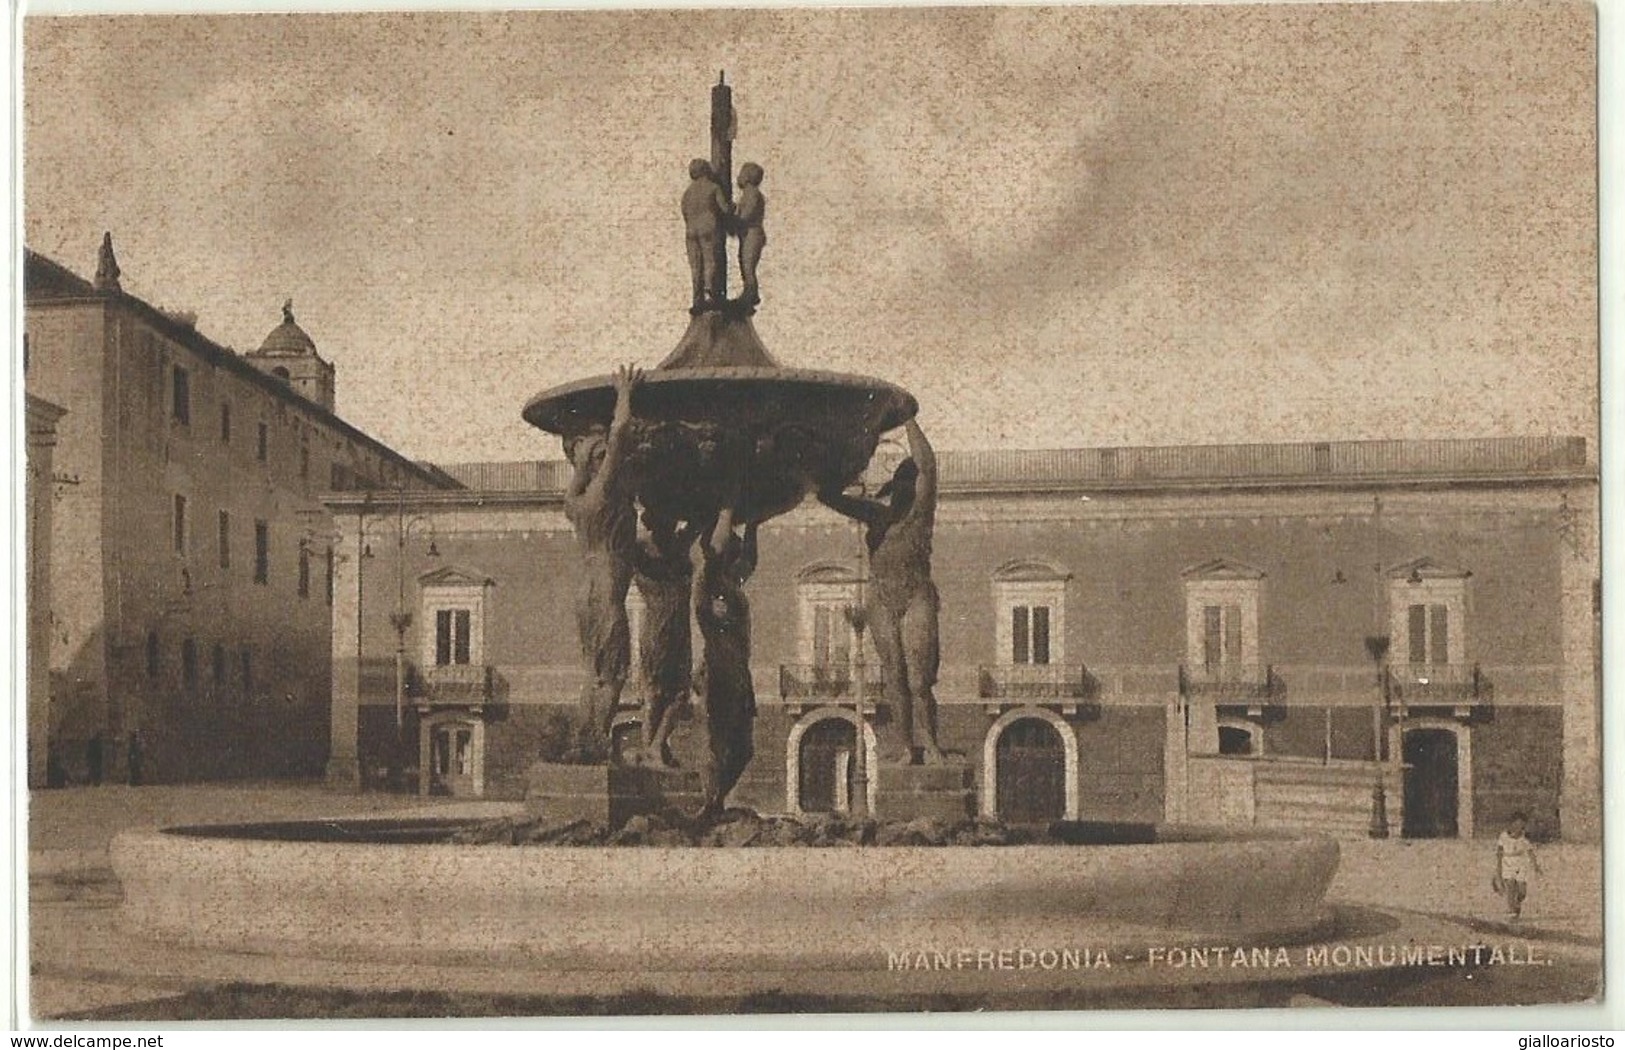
(1221, 635)
(189, 665)
(219, 667)
(827, 595)
(453, 607)
(304, 462)
(245, 661)
(304, 571)
(1427, 604)
(225, 423)
(262, 552)
(338, 477)
(330, 576)
(180, 401)
(832, 637)
(224, 539)
(152, 654)
(1221, 620)
(1429, 634)
(180, 524)
(262, 450)
(1029, 599)
(451, 636)
(1029, 634)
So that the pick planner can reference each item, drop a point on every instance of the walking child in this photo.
(1515, 864)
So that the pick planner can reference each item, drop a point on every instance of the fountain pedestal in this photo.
(939, 792)
(609, 795)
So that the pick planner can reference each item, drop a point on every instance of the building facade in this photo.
(1232, 634)
(40, 419)
(188, 613)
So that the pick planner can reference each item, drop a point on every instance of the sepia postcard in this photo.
(538, 514)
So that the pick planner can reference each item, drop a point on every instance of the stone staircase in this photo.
(1330, 799)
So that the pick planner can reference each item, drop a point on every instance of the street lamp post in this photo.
(1377, 645)
(401, 621)
(859, 802)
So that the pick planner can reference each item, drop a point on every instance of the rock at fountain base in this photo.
(941, 791)
(606, 794)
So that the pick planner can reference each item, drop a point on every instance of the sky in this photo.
(1057, 227)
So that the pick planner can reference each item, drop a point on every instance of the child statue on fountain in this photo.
(706, 213)
(749, 212)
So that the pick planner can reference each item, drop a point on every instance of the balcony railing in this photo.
(1033, 682)
(457, 684)
(1445, 685)
(802, 682)
(1307, 685)
(1230, 683)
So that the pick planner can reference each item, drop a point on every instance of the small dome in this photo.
(287, 338)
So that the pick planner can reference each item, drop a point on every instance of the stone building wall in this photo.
(1329, 564)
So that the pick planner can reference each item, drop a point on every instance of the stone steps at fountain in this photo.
(1329, 800)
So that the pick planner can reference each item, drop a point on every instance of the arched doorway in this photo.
(1432, 784)
(825, 766)
(1031, 774)
(452, 759)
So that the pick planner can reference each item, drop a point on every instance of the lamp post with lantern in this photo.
(401, 621)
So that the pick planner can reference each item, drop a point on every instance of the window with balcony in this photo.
(1222, 600)
(1029, 599)
(1427, 614)
(828, 597)
(454, 602)
(1029, 610)
(1427, 603)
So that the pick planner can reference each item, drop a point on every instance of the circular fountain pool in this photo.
(382, 888)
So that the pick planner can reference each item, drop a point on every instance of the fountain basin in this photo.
(797, 430)
(648, 909)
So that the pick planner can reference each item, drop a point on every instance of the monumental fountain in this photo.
(719, 435)
(696, 453)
